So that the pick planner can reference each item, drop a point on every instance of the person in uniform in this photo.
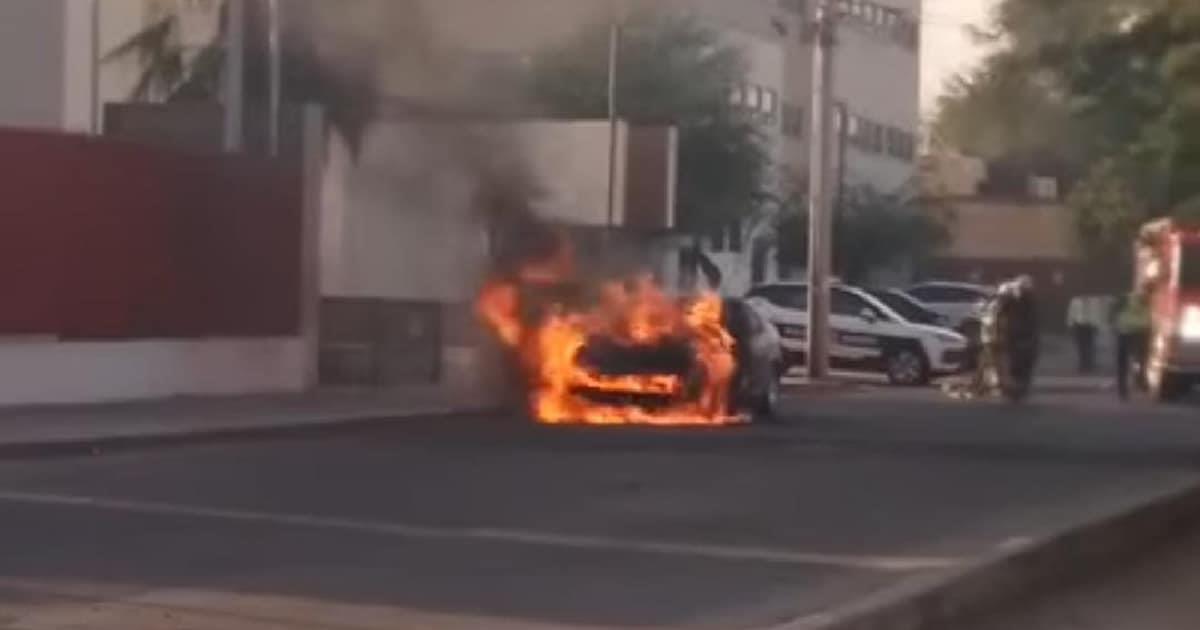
(1023, 333)
(1131, 315)
(1085, 317)
(1008, 342)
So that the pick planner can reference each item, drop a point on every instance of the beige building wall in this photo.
(993, 229)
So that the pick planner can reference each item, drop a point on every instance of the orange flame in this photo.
(636, 314)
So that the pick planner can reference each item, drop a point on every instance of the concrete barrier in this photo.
(1021, 570)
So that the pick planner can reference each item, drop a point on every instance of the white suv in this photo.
(958, 302)
(867, 334)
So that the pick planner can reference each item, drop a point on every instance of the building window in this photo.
(754, 96)
(798, 7)
(901, 144)
(737, 96)
(897, 25)
(735, 237)
(793, 121)
(760, 101)
(726, 238)
(867, 135)
(770, 103)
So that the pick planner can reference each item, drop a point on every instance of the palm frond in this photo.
(155, 37)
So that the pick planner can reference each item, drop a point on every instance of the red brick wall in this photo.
(102, 239)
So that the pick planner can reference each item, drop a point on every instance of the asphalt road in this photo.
(494, 523)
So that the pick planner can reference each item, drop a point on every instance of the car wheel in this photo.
(907, 367)
(767, 404)
(1164, 386)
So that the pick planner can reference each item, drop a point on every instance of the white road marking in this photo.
(496, 535)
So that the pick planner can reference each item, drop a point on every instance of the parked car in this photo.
(868, 335)
(758, 353)
(918, 312)
(959, 302)
(909, 307)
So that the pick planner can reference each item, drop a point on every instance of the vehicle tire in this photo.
(907, 367)
(1164, 386)
(767, 404)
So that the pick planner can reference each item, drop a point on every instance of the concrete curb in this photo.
(803, 387)
(327, 425)
(938, 602)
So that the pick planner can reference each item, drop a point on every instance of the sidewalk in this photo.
(72, 428)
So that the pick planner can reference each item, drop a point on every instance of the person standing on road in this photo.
(1084, 321)
(1132, 323)
(1024, 339)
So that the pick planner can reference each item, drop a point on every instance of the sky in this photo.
(946, 49)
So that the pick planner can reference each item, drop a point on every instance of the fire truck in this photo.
(1168, 269)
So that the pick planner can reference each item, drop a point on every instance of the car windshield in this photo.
(1189, 270)
(905, 307)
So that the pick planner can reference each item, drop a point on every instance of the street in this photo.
(492, 522)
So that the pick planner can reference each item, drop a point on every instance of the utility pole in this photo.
(235, 83)
(843, 140)
(275, 95)
(614, 59)
(821, 191)
(96, 109)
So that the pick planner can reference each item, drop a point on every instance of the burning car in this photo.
(625, 352)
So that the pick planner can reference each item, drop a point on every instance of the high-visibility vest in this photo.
(1134, 316)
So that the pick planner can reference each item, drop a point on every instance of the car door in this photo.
(857, 343)
(764, 355)
(786, 307)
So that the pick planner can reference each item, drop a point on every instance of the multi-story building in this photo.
(876, 78)
(876, 87)
(876, 83)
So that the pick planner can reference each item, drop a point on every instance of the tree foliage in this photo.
(1000, 112)
(872, 230)
(672, 71)
(343, 84)
(1121, 79)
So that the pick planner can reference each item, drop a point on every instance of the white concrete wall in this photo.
(398, 223)
(31, 63)
(79, 64)
(52, 48)
(570, 161)
(44, 371)
(401, 221)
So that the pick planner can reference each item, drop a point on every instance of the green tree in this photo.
(674, 71)
(872, 231)
(1000, 111)
(1107, 209)
(1126, 74)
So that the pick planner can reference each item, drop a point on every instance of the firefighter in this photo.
(991, 343)
(1131, 320)
(1010, 341)
(1024, 337)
